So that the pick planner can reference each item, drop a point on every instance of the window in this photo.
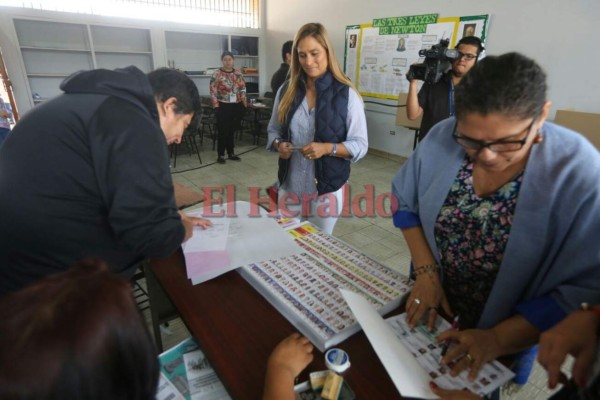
(232, 13)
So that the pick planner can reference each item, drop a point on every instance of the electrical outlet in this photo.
(392, 133)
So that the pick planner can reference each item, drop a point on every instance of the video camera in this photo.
(436, 63)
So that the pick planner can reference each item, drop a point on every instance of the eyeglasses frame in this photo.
(483, 145)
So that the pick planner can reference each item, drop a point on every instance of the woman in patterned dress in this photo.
(500, 212)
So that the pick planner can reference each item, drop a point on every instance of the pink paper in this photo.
(200, 263)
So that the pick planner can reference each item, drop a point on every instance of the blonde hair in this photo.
(317, 31)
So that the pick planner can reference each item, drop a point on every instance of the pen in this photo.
(447, 341)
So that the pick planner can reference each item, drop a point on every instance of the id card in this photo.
(233, 98)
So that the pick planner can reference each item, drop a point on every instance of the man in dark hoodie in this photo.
(87, 174)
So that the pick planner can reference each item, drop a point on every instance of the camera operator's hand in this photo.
(413, 109)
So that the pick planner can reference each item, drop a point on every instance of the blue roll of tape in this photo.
(337, 360)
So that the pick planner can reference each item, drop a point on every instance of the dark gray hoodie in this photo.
(86, 174)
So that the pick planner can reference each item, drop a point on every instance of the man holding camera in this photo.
(436, 101)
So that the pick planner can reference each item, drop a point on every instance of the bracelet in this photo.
(332, 154)
(429, 269)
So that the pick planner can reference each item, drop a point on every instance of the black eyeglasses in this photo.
(497, 146)
(468, 57)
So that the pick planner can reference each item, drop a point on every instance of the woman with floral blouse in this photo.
(228, 95)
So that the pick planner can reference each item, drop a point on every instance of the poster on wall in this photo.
(351, 52)
(383, 51)
(473, 25)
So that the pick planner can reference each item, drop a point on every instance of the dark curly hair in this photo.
(510, 84)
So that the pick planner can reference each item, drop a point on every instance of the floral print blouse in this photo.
(471, 233)
(224, 84)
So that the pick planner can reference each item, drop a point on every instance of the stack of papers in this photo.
(248, 236)
(186, 374)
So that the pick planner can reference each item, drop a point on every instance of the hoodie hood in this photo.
(129, 84)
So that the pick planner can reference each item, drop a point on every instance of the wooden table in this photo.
(237, 330)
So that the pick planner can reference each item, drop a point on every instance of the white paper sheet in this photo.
(166, 390)
(211, 239)
(251, 236)
(410, 379)
(203, 382)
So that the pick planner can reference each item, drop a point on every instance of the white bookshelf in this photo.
(195, 53)
(51, 51)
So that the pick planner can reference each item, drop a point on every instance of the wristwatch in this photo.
(276, 143)
(593, 309)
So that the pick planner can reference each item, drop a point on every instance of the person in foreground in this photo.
(318, 127)
(87, 174)
(576, 335)
(500, 212)
(78, 334)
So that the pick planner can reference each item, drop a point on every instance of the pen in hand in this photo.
(446, 344)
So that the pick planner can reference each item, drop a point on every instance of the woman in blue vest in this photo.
(318, 127)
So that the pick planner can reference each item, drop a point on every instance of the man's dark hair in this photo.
(510, 84)
(286, 48)
(472, 41)
(167, 83)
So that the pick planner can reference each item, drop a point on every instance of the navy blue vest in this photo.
(330, 127)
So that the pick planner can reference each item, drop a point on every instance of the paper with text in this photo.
(410, 379)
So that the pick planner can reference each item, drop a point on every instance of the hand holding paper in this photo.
(410, 379)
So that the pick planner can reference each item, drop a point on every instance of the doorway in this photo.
(6, 91)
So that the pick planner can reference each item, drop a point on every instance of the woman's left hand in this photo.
(315, 150)
(472, 349)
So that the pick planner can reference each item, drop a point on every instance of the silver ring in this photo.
(417, 301)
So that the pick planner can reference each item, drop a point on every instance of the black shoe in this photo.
(233, 157)
(221, 160)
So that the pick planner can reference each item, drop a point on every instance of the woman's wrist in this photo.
(429, 269)
(593, 310)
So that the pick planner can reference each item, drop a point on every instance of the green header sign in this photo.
(404, 25)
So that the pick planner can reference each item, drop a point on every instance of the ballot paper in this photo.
(412, 358)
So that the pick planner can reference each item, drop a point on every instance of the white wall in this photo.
(561, 35)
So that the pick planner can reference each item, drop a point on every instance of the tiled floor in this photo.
(374, 235)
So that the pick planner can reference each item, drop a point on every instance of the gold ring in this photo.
(469, 358)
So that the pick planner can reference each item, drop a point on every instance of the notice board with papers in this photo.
(378, 55)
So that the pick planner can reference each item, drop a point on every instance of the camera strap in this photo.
(451, 98)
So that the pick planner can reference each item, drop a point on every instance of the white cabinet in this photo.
(52, 51)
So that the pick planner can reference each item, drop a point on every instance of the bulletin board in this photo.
(379, 54)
